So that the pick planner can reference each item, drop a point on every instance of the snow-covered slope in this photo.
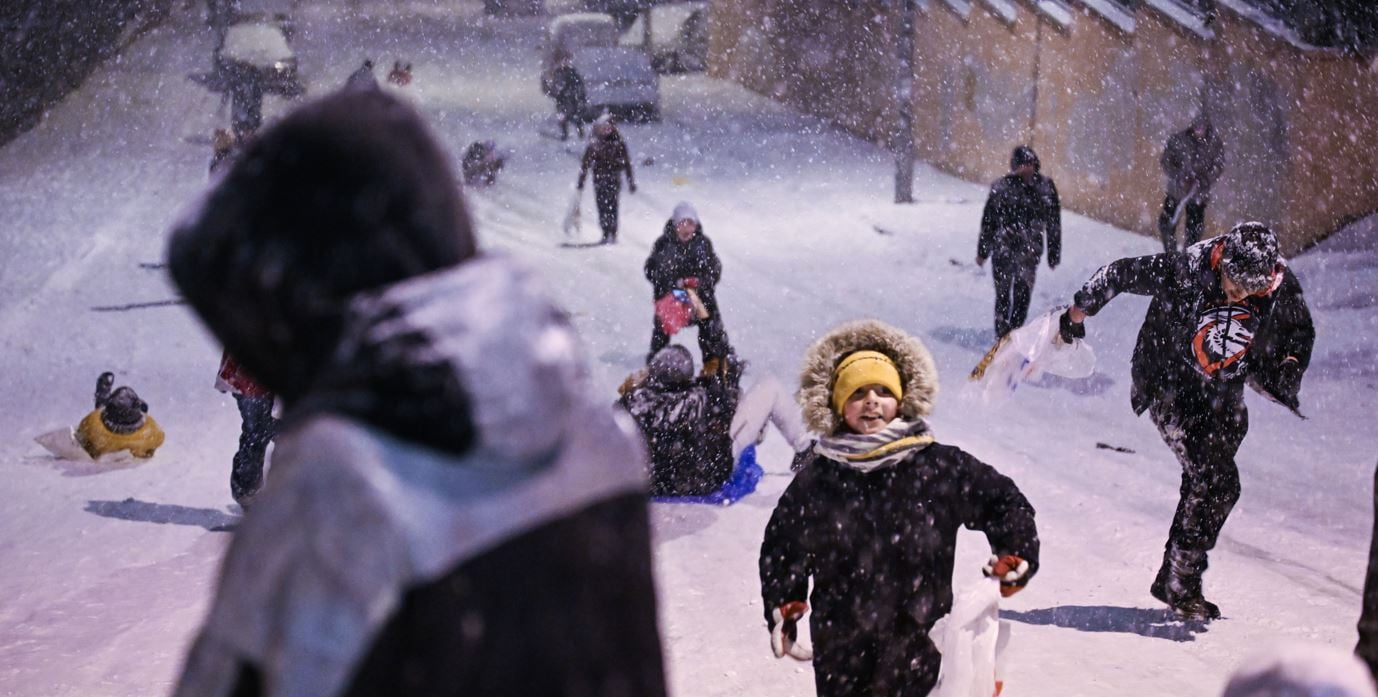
(106, 573)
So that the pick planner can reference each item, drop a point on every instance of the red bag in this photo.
(673, 314)
(234, 380)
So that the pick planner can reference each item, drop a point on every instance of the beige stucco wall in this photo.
(1098, 112)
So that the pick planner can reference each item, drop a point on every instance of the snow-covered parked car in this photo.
(679, 37)
(260, 46)
(617, 79)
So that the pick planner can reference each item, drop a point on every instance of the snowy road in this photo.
(106, 573)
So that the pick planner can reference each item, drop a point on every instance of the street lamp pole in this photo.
(902, 139)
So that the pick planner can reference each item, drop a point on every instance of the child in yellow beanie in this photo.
(872, 519)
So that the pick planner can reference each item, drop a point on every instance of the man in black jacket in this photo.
(683, 258)
(1022, 209)
(1226, 312)
(1192, 160)
(1367, 649)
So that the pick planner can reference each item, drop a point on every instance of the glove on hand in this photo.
(1067, 330)
(1289, 382)
(784, 631)
(690, 282)
(1010, 570)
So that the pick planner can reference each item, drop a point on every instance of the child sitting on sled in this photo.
(120, 421)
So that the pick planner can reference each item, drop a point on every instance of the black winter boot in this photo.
(1179, 585)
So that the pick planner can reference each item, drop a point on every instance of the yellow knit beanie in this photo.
(862, 368)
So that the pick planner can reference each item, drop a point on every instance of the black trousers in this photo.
(1204, 434)
(1014, 276)
(712, 337)
(605, 194)
(899, 664)
(1196, 223)
(257, 429)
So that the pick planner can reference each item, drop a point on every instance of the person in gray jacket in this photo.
(450, 512)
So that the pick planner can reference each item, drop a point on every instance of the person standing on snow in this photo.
(1020, 212)
(1225, 312)
(1367, 648)
(449, 506)
(683, 258)
(571, 97)
(257, 428)
(697, 428)
(607, 156)
(1192, 161)
(873, 517)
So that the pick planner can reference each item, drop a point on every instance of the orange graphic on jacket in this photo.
(1222, 338)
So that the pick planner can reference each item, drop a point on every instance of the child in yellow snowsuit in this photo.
(119, 422)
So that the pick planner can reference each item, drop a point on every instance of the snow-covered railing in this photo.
(961, 7)
(1113, 13)
(1004, 9)
(1055, 11)
(1274, 26)
(1183, 15)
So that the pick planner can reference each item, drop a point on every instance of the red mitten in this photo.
(784, 631)
(1010, 570)
(690, 282)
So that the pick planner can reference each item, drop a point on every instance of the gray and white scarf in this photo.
(883, 448)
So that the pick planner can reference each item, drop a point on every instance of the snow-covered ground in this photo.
(107, 572)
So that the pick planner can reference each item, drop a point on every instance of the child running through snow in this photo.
(872, 519)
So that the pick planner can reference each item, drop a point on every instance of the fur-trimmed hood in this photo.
(917, 371)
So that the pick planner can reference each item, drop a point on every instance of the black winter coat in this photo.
(1367, 648)
(879, 546)
(571, 98)
(688, 433)
(1018, 216)
(1194, 342)
(672, 260)
(1189, 161)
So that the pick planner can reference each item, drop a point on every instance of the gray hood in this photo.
(353, 515)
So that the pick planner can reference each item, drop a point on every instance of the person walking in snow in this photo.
(571, 97)
(362, 78)
(872, 519)
(1020, 212)
(682, 258)
(697, 428)
(607, 156)
(481, 163)
(120, 421)
(448, 504)
(1225, 312)
(1192, 161)
(257, 428)
(1367, 648)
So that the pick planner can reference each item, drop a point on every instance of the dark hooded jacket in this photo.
(1017, 218)
(447, 506)
(672, 260)
(879, 545)
(1188, 160)
(686, 422)
(608, 158)
(1195, 344)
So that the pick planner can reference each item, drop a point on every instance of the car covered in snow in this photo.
(260, 46)
(617, 79)
(679, 37)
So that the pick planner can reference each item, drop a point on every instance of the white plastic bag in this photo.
(972, 639)
(62, 443)
(1035, 349)
(572, 214)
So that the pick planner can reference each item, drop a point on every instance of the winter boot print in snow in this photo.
(1179, 585)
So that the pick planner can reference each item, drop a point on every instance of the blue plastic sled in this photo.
(742, 482)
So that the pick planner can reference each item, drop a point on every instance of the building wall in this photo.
(1097, 103)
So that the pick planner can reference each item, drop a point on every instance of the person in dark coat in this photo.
(683, 258)
(1020, 212)
(481, 163)
(1192, 161)
(451, 512)
(1367, 649)
(362, 78)
(571, 97)
(607, 156)
(872, 519)
(1226, 312)
(696, 427)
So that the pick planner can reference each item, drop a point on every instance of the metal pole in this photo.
(902, 139)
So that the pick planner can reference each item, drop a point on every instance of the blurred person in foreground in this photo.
(449, 512)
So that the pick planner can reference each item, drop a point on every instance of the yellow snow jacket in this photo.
(99, 440)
